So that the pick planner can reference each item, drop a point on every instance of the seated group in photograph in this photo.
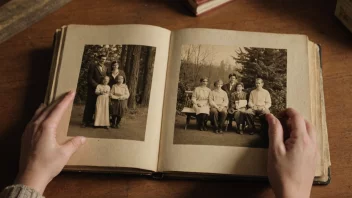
(230, 102)
(107, 95)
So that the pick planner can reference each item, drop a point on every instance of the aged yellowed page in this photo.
(318, 109)
(180, 151)
(107, 147)
(316, 104)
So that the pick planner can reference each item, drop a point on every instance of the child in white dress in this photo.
(102, 118)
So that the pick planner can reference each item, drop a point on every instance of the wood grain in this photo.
(25, 60)
(17, 15)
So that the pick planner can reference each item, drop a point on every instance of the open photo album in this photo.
(184, 103)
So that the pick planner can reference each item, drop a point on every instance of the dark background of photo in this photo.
(135, 60)
(250, 63)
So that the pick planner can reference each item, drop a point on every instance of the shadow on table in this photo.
(313, 13)
(35, 91)
(179, 6)
(230, 189)
(3, 2)
(300, 13)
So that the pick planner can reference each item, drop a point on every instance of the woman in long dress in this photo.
(119, 95)
(200, 100)
(102, 117)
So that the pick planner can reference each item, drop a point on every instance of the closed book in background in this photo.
(344, 12)
(201, 6)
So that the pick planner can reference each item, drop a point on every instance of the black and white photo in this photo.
(113, 92)
(224, 93)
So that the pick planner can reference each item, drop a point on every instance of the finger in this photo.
(276, 133)
(44, 114)
(296, 123)
(57, 112)
(72, 145)
(39, 110)
(311, 131)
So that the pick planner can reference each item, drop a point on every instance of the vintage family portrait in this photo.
(113, 92)
(224, 93)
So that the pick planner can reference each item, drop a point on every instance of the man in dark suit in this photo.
(230, 88)
(95, 73)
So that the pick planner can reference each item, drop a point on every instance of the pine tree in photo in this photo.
(269, 65)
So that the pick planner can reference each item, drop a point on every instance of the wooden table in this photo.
(25, 60)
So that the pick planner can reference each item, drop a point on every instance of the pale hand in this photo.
(42, 158)
(291, 162)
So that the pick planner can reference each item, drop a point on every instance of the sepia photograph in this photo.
(224, 93)
(113, 92)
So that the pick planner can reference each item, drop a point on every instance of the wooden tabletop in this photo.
(25, 61)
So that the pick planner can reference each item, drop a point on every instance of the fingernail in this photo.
(83, 140)
(72, 92)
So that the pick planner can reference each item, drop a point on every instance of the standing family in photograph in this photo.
(229, 102)
(107, 95)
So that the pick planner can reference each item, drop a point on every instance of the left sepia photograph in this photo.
(113, 92)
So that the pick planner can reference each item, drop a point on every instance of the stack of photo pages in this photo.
(189, 103)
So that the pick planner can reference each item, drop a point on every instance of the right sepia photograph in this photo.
(224, 93)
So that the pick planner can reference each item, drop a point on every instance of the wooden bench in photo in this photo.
(188, 108)
(190, 113)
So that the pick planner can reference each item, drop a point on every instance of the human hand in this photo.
(291, 162)
(42, 158)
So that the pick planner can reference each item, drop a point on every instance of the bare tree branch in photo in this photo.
(199, 60)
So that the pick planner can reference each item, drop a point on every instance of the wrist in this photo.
(36, 181)
(290, 192)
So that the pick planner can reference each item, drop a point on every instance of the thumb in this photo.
(276, 133)
(72, 145)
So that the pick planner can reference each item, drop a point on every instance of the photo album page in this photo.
(219, 86)
(118, 73)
